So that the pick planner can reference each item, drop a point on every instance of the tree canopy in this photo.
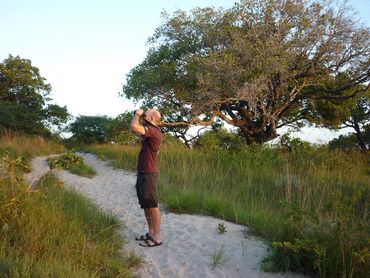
(25, 97)
(259, 66)
(90, 129)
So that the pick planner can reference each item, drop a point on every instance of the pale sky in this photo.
(85, 48)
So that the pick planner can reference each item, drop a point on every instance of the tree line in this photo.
(258, 66)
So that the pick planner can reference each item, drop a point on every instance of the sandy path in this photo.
(39, 167)
(188, 239)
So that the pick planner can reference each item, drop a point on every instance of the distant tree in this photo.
(57, 117)
(120, 129)
(291, 144)
(353, 112)
(90, 129)
(259, 66)
(344, 142)
(24, 98)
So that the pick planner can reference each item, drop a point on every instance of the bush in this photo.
(219, 139)
(344, 142)
(74, 163)
(66, 160)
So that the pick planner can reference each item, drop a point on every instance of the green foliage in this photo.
(283, 256)
(11, 166)
(221, 228)
(24, 98)
(72, 162)
(344, 142)
(294, 145)
(172, 141)
(56, 116)
(120, 130)
(90, 129)
(357, 116)
(220, 139)
(258, 65)
(66, 160)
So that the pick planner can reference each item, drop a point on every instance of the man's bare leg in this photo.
(156, 222)
(149, 220)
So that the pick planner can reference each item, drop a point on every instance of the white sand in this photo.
(39, 168)
(188, 240)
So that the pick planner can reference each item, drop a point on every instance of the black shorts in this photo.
(146, 189)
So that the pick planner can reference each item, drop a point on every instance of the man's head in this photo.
(152, 116)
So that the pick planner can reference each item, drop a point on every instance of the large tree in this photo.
(25, 97)
(260, 65)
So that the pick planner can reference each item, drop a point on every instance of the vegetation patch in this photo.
(52, 232)
(308, 203)
(74, 163)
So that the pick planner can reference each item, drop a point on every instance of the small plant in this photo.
(74, 163)
(12, 164)
(221, 228)
(218, 257)
(66, 160)
(133, 259)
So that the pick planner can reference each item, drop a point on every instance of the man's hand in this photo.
(139, 112)
(136, 127)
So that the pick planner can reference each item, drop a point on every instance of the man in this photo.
(147, 172)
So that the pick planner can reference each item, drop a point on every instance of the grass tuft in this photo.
(218, 257)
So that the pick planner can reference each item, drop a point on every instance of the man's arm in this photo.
(136, 127)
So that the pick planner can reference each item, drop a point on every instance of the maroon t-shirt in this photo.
(151, 141)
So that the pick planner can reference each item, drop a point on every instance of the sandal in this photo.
(150, 242)
(143, 237)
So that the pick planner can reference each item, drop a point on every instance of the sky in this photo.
(85, 48)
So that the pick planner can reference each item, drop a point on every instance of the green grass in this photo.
(83, 170)
(218, 257)
(49, 231)
(27, 145)
(57, 233)
(312, 205)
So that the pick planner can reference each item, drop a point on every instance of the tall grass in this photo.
(52, 232)
(26, 145)
(56, 233)
(312, 206)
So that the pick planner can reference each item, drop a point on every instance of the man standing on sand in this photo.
(147, 172)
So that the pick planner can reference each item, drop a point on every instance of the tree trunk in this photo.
(259, 136)
(359, 136)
